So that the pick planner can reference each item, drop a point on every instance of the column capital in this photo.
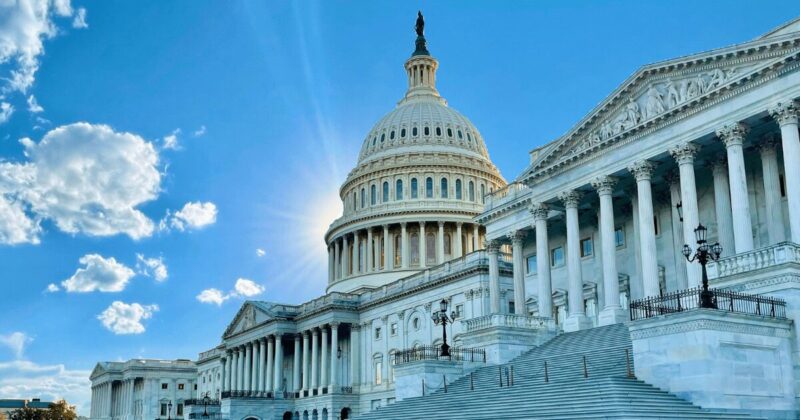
(422, 224)
(733, 134)
(441, 224)
(355, 326)
(492, 246)
(768, 143)
(385, 227)
(539, 211)
(517, 237)
(673, 177)
(334, 324)
(642, 170)
(570, 198)
(785, 112)
(459, 224)
(604, 184)
(403, 224)
(299, 336)
(401, 315)
(719, 164)
(684, 153)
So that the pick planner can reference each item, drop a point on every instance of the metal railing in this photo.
(199, 401)
(725, 300)
(457, 354)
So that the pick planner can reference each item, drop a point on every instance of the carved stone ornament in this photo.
(604, 184)
(570, 198)
(492, 246)
(768, 144)
(539, 211)
(517, 236)
(642, 170)
(719, 164)
(249, 318)
(785, 112)
(684, 153)
(733, 134)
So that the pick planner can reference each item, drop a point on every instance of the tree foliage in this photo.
(58, 410)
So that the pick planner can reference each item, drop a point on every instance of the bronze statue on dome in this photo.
(420, 27)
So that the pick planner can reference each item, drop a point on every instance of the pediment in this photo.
(97, 371)
(250, 315)
(658, 94)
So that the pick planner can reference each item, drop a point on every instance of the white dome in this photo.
(423, 124)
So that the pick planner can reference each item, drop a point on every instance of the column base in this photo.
(577, 322)
(612, 315)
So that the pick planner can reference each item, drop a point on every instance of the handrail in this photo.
(723, 300)
(457, 354)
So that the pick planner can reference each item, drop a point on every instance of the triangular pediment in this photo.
(657, 94)
(97, 371)
(250, 315)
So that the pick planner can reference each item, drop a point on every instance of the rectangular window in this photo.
(557, 257)
(195, 387)
(459, 311)
(619, 237)
(530, 264)
(378, 333)
(394, 328)
(378, 373)
(163, 410)
(587, 247)
(163, 386)
(511, 307)
(180, 409)
(180, 387)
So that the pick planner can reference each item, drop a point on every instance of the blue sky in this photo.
(195, 133)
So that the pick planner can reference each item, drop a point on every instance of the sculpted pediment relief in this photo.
(657, 92)
(249, 316)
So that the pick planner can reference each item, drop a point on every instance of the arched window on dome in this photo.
(413, 188)
(471, 191)
(373, 195)
(402, 133)
(398, 190)
(414, 132)
(355, 200)
(427, 131)
(429, 187)
(430, 248)
(449, 132)
(413, 248)
(469, 137)
(383, 137)
(458, 189)
(460, 136)
(443, 191)
(483, 193)
(385, 197)
(374, 140)
(391, 135)
(363, 198)
(438, 131)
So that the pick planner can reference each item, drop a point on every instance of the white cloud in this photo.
(243, 288)
(171, 141)
(79, 21)
(23, 379)
(154, 267)
(124, 318)
(5, 111)
(212, 295)
(200, 131)
(98, 273)
(15, 226)
(260, 252)
(16, 341)
(248, 288)
(24, 25)
(86, 178)
(193, 215)
(52, 288)
(33, 105)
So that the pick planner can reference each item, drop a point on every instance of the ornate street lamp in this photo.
(206, 400)
(169, 410)
(703, 254)
(440, 317)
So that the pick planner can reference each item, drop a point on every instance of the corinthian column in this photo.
(345, 257)
(733, 136)
(278, 380)
(314, 357)
(642, 171)
(545, 289)
(404, 255)
(323, 362)
(356, 254)
(492, 248)
(337, 271)
(423, 253)
(459, 246)
(440, 244)
(612, 312)
(517, 240)
(684, 155)
(355, 373)
(577, 319)
(787, 116)
(722, 205)
(334, 355)
(296, 385)
(772, 188)
(388, 261)
(305, 361)
(248, 355)
(370, 247)
(270, 363)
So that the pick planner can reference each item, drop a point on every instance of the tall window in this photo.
(471, 191)
(413, 248)
(448, 248)
(483, 193)
(385, 192)
(363, 198)
(354, 200)
(429, 187)
(458, 189)
(413, 187)
(587, 247)
(430, 248)
(398, 190)
(619, 237)
(373, 196)
(398, 249)
(531, 264)
(557, 257)
(378, 372)
(443, 192)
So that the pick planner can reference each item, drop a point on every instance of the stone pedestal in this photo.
(577, 322)
(609, 316)
(506, 336)
(720, 360)
(410, 377)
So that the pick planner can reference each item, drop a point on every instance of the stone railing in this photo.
(333, 298)
(210, 353)
(511, 191)
(509, 321)
(757, 259)
(415, 205)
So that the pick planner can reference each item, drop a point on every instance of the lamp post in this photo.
(440, 317)
(169, 410)
(206, 400)
(704, 253)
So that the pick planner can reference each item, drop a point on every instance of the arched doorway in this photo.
(345, 414)
(287, 415)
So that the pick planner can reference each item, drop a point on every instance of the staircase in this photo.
(586, 378)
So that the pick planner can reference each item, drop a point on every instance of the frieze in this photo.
(710, 324)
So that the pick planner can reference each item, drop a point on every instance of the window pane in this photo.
(385, 192)
(587, 247)
(531, 263)
(398, 194)
(444, 188)
(471, 191)
(413, 248)
(448, 250)
(429, 188)
(619, 237)
(557, 257)
(458, 189)
(413, 187)
(363, 198)
(373, 198)
(430, 248)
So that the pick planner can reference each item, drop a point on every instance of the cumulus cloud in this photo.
(243, 288)
(171, 141)
(98, 274)
(123, 318)
(193, 215)
(16, 341)
(5, 111)
(260, 252)
(52, 288)
(85, 178)
(151, 267)
(200, 131)
(24, 25)
(33, 105)
(79, 21)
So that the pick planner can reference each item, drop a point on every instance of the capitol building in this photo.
(646, 264)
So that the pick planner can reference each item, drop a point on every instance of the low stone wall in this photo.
(505, 336)
(432, 375)
(718, 359)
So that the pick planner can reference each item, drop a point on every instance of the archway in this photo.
(345, 414)
(287, 415)
(324, 414)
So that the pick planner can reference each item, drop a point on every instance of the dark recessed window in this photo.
(469, 138)
(438, 131)
(449, 132)
(403, 133)
(427, 131)
(163, 386)
(413, 187)
(383, 137)
(619, 237)
(460, 136)
(391, 135)
(374, 139)
(414, 131)
(531, 264)
(557, 257)
(587, 247)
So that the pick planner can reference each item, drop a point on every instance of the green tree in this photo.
(27, 413)
(60, 410)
